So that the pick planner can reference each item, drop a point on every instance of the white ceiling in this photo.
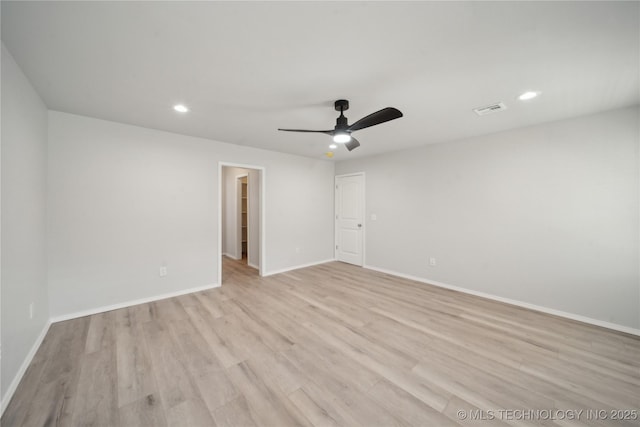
(247, 68)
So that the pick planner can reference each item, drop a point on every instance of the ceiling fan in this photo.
(342, 132)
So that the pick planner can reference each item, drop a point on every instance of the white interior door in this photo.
(349, 218)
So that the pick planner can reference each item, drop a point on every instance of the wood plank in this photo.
(143, 412)
(265, 403)
(135, 376)
(181, 399)
(202, 321)
(97, 400)
(320, 408)
(235, 413)
(408, 407)
(101, 332)
(216, 389)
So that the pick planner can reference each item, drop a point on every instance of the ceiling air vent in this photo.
(493, 108)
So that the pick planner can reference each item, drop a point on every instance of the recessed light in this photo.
(180, 108)
(333, 146)
(528, 95)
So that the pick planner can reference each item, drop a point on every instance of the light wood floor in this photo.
(327, 345)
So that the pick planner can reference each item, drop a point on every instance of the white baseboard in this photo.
(23, 368)
(309, 264)
(97, 310)
(252, 265)
(572, 316)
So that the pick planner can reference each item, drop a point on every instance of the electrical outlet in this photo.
(163, 271)
(432, 262)
(297, 250)
(374, 217)
(31, 311)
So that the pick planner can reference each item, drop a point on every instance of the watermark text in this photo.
(549, 414)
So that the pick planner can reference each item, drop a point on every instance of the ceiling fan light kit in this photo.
(341, 133)
(341, 137)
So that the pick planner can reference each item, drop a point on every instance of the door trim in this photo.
(364, 215)
(262, 203)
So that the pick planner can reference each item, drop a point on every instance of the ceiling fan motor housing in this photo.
(341, 122)
(341, 105)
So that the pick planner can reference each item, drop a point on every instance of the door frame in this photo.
(364, 214)
(262, 202)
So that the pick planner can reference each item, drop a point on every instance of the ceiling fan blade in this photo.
(376, 118)
(328, 132)
(353, 144)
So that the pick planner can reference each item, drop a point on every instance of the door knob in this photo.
(359, 225)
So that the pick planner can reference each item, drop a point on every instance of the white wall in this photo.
(24, 148)
(124, 200)
(546, 215)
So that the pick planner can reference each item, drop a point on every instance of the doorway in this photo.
(241, 219)
(349, 221)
